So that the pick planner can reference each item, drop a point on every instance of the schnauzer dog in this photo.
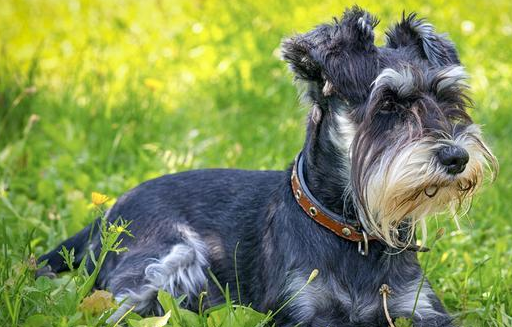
(389, 141)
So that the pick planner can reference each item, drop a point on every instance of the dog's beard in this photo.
(405, 183)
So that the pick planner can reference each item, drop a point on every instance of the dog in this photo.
(388, 142)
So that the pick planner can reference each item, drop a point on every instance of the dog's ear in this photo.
(340, 57)
(435, 48)
(298, 52)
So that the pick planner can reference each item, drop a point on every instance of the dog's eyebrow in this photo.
(451, 76)
(402, 82)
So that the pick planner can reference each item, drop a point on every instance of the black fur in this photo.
(436, 48)
(279, 245)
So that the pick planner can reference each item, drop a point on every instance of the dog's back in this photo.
(182, 224)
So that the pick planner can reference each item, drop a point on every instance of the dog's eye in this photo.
(388, 108)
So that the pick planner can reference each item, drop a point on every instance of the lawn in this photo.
(98, 96)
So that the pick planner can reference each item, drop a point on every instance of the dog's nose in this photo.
(454, 158)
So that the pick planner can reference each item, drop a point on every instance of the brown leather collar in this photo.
(328, 219)
(323, 216)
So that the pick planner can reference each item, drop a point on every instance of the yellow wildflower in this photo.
(153, 84)
(98, 198)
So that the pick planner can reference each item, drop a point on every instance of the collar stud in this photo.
(320, 214)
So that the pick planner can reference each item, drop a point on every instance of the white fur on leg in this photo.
(180, 272)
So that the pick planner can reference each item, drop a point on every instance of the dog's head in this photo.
(398, 114)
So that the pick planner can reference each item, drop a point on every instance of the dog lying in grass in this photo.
(389, 142)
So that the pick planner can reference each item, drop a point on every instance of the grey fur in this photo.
(188, 222)
(402, 82)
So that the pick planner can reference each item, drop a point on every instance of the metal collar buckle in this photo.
(363, 250)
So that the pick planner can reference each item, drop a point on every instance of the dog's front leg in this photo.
(423, 305)
(315, 306)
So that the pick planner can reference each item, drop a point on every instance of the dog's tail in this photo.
(80, 242)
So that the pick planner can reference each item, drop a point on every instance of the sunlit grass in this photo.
(100, 96)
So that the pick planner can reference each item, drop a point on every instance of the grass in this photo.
(100, 96)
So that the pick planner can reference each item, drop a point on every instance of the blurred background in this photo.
(101, 95)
